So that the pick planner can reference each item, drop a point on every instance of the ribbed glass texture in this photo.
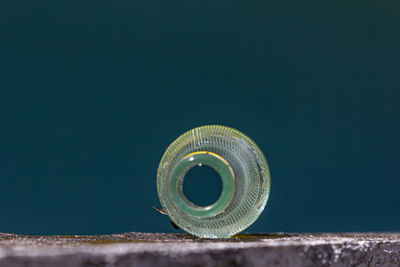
(245, 181)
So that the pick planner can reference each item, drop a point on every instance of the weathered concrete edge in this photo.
(338, 251)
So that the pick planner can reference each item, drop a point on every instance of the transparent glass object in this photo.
(243, 170)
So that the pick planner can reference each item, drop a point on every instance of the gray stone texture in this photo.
(144, 249)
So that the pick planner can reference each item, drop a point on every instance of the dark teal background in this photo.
(92, 93)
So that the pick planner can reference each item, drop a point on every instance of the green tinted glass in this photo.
(242, 168)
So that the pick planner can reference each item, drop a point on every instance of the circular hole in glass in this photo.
(202, 186)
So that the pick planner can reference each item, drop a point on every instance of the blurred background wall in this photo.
(92, 93)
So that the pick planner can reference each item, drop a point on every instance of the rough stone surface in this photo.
(143, 249)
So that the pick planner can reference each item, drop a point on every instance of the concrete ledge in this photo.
(142, 249)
